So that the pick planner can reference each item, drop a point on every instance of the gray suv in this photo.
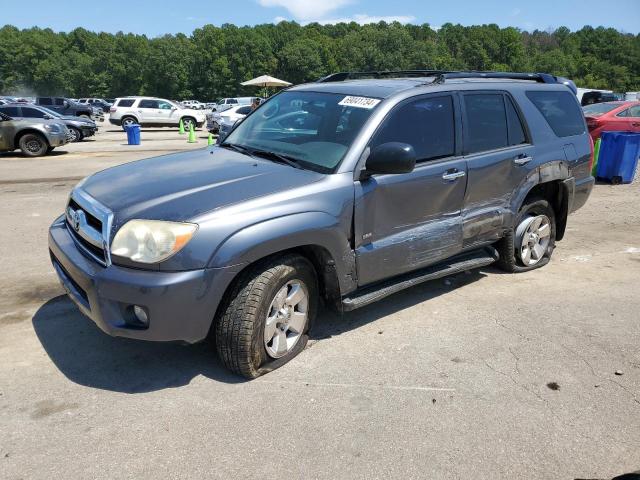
(34, 137)
(341, 193)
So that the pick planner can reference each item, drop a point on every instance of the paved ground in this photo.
(484, 375)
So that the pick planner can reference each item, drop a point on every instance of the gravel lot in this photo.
(483, 375)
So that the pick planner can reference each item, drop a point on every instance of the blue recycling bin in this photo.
(618, 160)
(133, 134)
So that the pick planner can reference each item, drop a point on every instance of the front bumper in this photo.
(89, 131)
(57, 139)
(180, 305)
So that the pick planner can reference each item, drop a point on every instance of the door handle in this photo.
(453, 175)
(635, 124)
(522, 160)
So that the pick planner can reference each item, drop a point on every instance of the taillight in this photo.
(591, 158)
(592, 123)
(112, 109)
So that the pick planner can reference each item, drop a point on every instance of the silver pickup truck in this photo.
(339, 192)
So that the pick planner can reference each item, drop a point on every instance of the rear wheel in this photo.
(266, 316)
(33, 145)
(127, 122)
(531, 244)
(84, 115)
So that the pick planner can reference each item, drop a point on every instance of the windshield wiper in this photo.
(278, 157)
(237, 148)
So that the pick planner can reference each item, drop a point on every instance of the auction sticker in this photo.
(360, 102)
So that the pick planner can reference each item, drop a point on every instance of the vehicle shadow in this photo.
(331, 324)
(89, 357)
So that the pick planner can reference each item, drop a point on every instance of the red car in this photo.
(612, 116)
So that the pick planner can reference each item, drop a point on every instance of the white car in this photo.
(218, 121)
(153, 112)
(195, 104)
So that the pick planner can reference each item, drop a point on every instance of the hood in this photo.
(183, 185)
(73, 118)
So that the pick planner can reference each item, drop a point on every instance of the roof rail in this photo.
(442, 75)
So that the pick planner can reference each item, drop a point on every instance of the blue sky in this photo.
(156, 17)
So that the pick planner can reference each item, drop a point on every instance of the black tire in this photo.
(510, 260)
(50, 149)
(186, 121)
(33, 145)
(76, 135)
(240, 322)
(128, 120)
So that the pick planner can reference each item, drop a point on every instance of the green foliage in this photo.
(213, 61)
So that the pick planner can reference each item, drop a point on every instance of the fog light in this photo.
(141, 315)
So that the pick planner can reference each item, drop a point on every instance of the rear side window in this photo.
(486, 122)
(126, 102)
(11, 111)
(561, 111)
(427, 124)
(45, 101)
(60, 102)
(516, 131)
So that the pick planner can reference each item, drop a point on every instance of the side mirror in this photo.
(392, 157)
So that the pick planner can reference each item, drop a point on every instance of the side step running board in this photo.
(457, 264)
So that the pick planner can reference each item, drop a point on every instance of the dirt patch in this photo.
(46, 408)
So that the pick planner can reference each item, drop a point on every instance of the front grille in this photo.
(88, 223)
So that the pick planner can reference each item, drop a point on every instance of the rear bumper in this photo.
(581, 192)
(180, 305)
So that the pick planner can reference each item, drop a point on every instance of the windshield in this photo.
(314, 129)
(597, 108)
(50, 112)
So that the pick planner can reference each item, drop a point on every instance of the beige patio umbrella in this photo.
(265, 81)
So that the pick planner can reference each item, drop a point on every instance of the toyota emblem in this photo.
(76, 221)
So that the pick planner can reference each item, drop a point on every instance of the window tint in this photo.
(560, 110)
(232, 100)
(516, 131)
(11, 111)
(486, 122)
(165, 105)
(45, 101)
(32, 112)
(148, 104)
(426, 124)
(126, 102)
(60, 101)
(244, 110)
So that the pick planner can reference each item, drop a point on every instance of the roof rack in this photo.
(442, 75)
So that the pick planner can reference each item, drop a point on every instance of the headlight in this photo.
(151, 241)
(52, 127)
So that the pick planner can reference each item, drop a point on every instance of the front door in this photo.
(408, 221)
(627, 120)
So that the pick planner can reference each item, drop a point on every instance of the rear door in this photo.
(499, 157)
(149, 111)
(408, 221)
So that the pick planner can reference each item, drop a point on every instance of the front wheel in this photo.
(76, 135)
(531, 244)
(266, 316)
(33, 145)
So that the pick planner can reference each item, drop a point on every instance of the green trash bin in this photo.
(596, 155)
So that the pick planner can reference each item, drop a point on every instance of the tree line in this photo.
(212, 61)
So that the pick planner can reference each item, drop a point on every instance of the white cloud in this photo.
(515, 12)
(307, 9)
(363, 19)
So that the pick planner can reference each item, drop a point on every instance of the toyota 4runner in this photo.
(339, 192)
